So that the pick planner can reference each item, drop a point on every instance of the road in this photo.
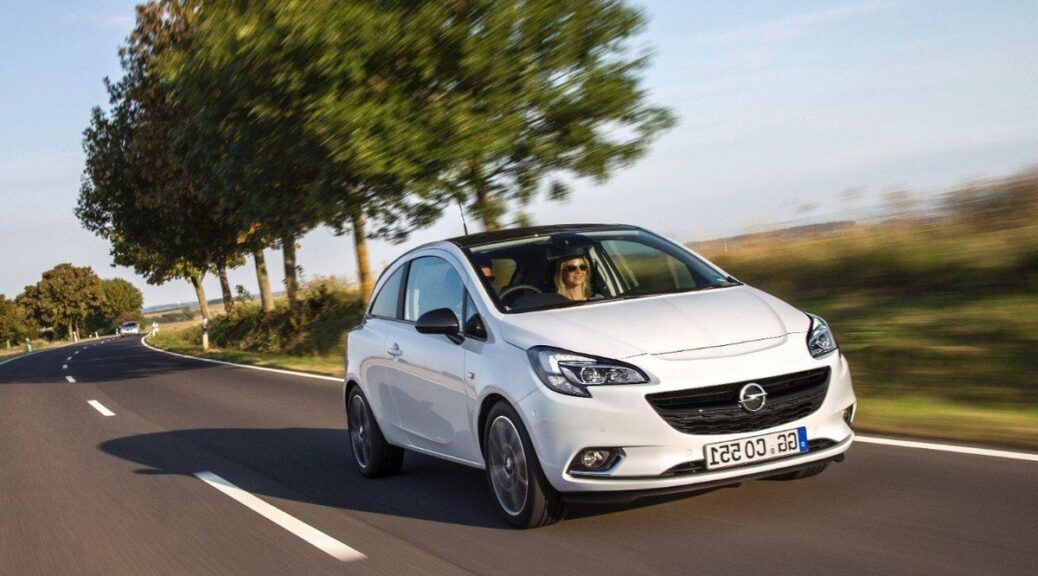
(86, 493)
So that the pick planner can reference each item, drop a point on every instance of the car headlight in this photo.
(570, 373)
(820, 339)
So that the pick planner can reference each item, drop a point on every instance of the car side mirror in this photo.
(439, 321)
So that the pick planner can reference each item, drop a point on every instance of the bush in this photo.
(317, 327)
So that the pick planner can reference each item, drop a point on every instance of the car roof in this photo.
(530, 232)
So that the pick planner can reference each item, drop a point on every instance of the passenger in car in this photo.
(573, 278)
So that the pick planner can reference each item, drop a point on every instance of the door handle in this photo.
(394, 350)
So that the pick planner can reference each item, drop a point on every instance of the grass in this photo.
(182, 341)
(939, 321)
(937, 418)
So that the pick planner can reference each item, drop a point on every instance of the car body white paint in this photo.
(427, 396)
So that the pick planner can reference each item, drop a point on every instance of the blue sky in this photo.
(788, 111)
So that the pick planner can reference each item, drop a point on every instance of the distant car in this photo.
(128, 328)
(590, 362)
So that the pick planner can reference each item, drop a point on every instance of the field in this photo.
(937, 315)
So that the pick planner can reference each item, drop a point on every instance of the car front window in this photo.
(578, 268)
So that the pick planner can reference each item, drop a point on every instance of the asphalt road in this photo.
(85, 493)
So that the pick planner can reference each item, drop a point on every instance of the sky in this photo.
(788, 112)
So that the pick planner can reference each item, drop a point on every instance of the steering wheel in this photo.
(516, 288)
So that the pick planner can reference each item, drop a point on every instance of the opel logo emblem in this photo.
(752, 397)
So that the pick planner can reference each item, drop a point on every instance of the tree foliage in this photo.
(63, 298)
(138, 189)
(14, 325)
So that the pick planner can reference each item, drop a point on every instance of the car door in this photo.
(430, 393)
(367, 349)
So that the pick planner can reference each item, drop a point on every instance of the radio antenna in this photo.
(462, 210)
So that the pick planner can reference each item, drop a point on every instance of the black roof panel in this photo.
(530, 231)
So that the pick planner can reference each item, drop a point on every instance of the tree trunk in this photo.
(70, 329)
(485, 208)
(203, 306)
(266, 298)
(360, 248)
(225, 288)
(288, 247)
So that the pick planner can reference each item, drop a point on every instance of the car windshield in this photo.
(585, 267)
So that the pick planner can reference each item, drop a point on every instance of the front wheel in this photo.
(523, 494)
(374, 455)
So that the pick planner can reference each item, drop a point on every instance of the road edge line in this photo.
(249, 366)
(297, 527)
(949, 448)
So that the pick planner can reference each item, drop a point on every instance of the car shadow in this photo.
(315, 466)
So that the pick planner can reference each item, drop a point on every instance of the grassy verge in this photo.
(183, 342)
(914, 416)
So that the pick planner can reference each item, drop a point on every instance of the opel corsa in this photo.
(590, 363)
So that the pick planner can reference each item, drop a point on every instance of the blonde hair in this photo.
(560, 284)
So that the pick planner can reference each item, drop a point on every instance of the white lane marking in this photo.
(949, 448)
(100, 408)
(301, 529)
(64, 366)
(68, 359)
(76, 352)
(70, 379)
(263, 368)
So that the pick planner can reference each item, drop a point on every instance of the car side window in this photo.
(387, 300)
(432, 283)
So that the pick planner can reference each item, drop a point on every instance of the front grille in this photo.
(716, 409)
(699, 466)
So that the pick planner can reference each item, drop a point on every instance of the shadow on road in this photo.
(315, 466)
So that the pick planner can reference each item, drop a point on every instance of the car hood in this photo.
(658, 324)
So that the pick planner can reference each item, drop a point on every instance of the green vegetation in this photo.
(312, 339)
(241, 126)
(937, 315)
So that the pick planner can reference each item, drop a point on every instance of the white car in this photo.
(590, 363)
(127, 328)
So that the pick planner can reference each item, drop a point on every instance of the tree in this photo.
(64, 297)
(14, 325)
(123, 301)
(539, 89)
(256, 78)
(138, 190)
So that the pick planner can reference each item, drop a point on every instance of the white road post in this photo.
(28, 344)
(205, 334)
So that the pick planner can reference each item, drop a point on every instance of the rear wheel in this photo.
(802, 473)
(374, 456)
(523, 494)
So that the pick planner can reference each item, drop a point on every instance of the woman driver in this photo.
(573, 278)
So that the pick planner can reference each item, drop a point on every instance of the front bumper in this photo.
(659, 458)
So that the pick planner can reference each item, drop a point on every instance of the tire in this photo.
(802, 473)
(523, 495)
(374, 456)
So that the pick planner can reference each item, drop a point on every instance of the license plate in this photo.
(755, 449)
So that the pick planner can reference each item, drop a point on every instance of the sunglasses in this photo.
(575, 267)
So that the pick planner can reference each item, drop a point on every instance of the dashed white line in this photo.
(100, 408)
(68, 359)
(70, 379)
(301, 529)
(76, 352)
(949, 448)
(64, 366)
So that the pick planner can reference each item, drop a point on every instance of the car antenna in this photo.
(462, 210)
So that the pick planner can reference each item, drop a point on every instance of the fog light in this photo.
(596, 460)
(593, 458)
(848, 415)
